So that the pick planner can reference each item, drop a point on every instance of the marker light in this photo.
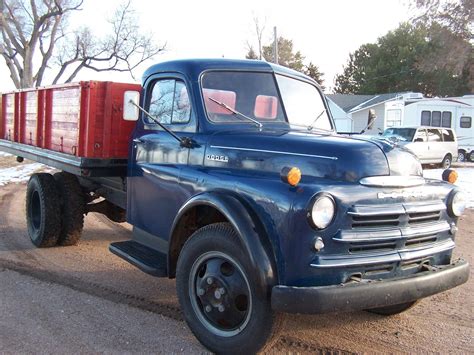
(450, 176)
(291, 176)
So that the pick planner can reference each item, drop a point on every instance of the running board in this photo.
(146, 259)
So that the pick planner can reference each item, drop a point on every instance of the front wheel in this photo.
(446, 163)
(462, 156)
(218, 294)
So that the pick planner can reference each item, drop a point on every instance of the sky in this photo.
(324, 31)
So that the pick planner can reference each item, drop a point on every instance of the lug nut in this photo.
(200, 292)
(217, 294)
(221, 308)
(209, 280)
(222, 290)
(208, 309)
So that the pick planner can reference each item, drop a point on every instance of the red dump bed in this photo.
(81, 119)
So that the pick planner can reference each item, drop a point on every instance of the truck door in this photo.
(157, 158)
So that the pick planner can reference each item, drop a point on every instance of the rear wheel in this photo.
(446, 163)
(72, 208)
(43, 210)
(392, 310)
(471, 156)
(462, 156)
(218, 294)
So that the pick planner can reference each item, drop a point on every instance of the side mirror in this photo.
(131, 100)
(371, 118)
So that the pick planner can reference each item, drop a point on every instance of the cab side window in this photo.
(169, 103)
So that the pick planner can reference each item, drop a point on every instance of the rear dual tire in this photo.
(72, 208)
(54, 209)
(43, 210)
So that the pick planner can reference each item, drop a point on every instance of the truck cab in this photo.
(238, 186)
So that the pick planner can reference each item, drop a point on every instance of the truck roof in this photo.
(194, 67)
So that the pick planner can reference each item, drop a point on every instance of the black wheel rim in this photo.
(220, 294)
(35, 210)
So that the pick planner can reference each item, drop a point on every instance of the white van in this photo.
(411, 109)
(431, 145)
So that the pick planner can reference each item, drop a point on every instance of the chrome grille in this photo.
(421, 217)
(382, 228)
(376, 216)
(375, 221)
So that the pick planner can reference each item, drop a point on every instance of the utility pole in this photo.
(275, 46)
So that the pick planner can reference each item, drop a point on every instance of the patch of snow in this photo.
(3, 154)
(465, 181)
(21, 173)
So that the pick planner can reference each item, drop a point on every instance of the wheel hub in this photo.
(222, 294)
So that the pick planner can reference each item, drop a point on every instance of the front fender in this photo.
(249, 230)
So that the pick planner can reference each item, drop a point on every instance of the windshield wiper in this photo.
(235, 112)
(311, 126)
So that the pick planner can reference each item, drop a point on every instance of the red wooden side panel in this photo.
(121, 130)
(9, 107)
(82, 119)
(112, 132)
(65, 115)
(2, 117)
(30, 116)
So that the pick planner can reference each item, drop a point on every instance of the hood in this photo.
(324, 156)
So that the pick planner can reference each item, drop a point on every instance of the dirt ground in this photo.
(85, 299)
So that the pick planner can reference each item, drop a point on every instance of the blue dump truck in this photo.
(238, 186)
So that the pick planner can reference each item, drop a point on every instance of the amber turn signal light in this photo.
(291, 176)
(450, 176)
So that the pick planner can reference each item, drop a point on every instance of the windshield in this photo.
(253, 95)
(240, 97)
(404, 134)
(303, 103)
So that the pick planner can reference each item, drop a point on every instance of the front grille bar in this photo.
(360, 235)
(331, 261)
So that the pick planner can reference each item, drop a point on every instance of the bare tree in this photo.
(34, 41)
(259, 27)
(457, 15)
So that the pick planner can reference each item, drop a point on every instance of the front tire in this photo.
(446, 163)
(218, 293)
(43, 210)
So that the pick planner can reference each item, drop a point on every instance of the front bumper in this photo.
(366, 295)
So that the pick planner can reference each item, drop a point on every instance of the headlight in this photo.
(457, 204)
(323, 211)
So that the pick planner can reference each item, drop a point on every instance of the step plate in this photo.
(146, 259)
